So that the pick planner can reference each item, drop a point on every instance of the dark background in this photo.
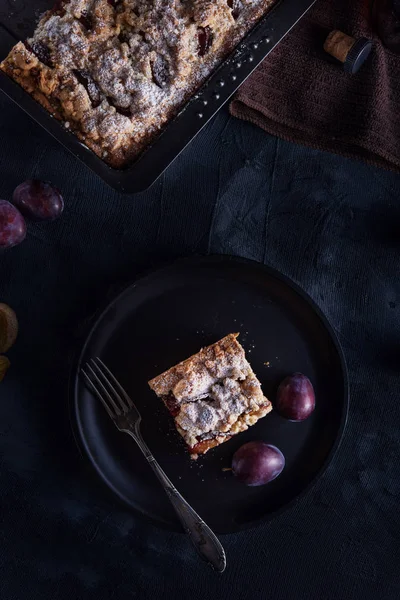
(331, 224)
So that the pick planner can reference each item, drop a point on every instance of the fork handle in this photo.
(203, 539)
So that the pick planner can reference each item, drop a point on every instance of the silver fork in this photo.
(126, 418)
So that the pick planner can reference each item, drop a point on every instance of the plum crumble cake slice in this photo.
(212, 395)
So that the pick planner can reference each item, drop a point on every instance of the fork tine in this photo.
(104, 391)
(95, 389)
(116, 383)
(108, 384)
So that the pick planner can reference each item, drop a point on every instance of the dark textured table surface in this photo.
(333, 226)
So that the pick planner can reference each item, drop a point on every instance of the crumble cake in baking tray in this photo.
(116, 74)
(115, 71)
(213, 395)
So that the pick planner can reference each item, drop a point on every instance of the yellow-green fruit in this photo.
(4, 364)
(8, 327)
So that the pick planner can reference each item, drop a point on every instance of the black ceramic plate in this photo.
(167, 316)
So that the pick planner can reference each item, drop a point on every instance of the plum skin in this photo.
(38, 200)
(257, 463)
(295, 398)
(12, 225)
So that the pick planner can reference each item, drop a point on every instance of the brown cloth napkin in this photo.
(299, 93)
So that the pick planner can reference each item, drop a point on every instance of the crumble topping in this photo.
(213, 394)
(214, 415)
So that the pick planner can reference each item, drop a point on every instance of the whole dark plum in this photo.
(257, 463)
(295, 399)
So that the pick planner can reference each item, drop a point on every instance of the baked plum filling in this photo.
(237, 7)
(205, 37)
(41, 51)
(159, 70)
(90, 86)
(171, 403)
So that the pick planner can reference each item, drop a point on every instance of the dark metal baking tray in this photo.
(17, 21)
